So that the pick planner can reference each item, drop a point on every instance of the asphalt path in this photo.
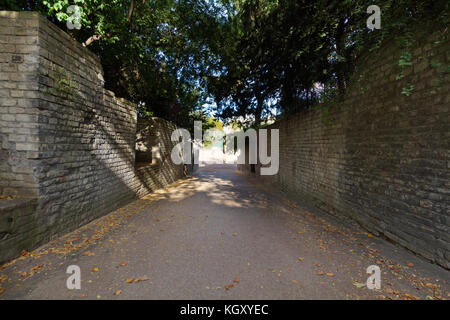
(221, 235)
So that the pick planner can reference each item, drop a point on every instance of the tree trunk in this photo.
(340, 48)
(259, 108)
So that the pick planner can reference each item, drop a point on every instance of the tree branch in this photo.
(130, 15)
(130, 11)
(91, 39)
(94, 38)
(97, 37)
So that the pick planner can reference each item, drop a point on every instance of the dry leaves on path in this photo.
(359, 284)
(36, 268)
(136, 280)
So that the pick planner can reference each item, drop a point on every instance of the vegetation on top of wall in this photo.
(63, 83)
(238, 59)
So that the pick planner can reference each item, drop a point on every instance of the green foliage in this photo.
(255, 58)
(63, 83)
(154, 53)
(408, 90)
(284, 49)
(405, 60)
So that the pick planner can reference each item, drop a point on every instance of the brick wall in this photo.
(156, 134)
(19, 90)
(380, 157)
(65, 140)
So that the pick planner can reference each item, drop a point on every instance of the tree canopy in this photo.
(300, 52)
(247, 59)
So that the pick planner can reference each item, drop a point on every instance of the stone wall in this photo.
(156, 135)
(380, 156)
(19, 101)
(66, 141)
(17, 218)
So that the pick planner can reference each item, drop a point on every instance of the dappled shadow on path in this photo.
(218, 183)
(207, 229)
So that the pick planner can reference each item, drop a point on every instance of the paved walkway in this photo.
(220, 235)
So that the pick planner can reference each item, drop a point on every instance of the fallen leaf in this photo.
(129, 280)
(88, 253)
(237, 280)
(359, 284)
(330, 274)
(117, 292)
(95, 269)
(36, 268)
(122, 264)
(143, 278)
(300, 259)
(228, 287)
(72, 240)
(320, 273)
(409, 264)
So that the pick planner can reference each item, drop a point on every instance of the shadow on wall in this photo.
(83, 155)
(91, 175)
